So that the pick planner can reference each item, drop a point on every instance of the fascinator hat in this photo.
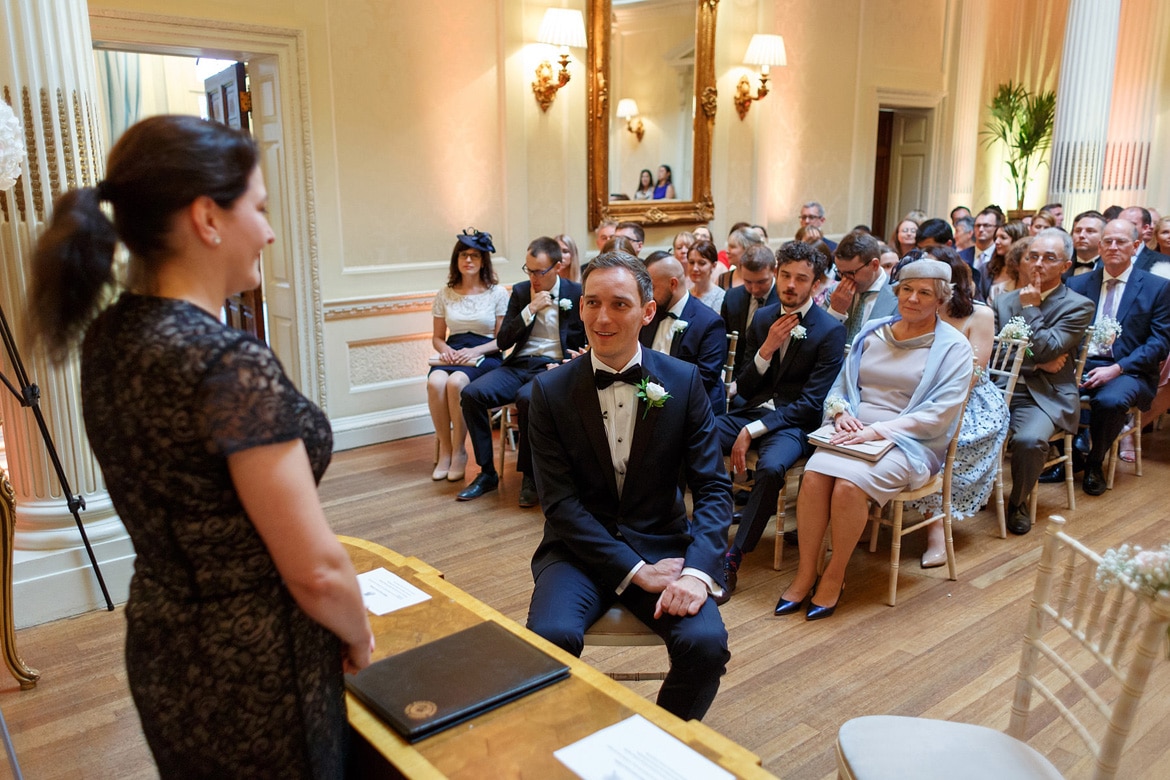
(476, 239)
(925, 269)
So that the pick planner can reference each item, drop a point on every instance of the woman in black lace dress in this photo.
(244, 609)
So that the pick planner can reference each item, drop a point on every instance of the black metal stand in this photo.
(30, 395)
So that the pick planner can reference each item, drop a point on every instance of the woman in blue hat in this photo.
(468, 313)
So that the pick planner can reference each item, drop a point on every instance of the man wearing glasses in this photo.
(542, 327)
(812, 214)
(1046, 397)
(864, 292)
(986, 223)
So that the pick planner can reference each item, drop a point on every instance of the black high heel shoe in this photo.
(786, 607)
(817, 612)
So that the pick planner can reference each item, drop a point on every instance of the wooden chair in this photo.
(941, 482)
(1067, 456)
(1132, 428)
(729, 364)
(620, 628)
(509, 430)
(1080, 642)
(1007, 355)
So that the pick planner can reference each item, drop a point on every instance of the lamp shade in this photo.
(562, 27)
(766, 50)
(627, 108)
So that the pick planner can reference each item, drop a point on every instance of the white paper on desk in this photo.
(384, 591)
(636, 749)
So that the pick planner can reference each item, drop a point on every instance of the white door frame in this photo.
(159, 34)
(927, 102)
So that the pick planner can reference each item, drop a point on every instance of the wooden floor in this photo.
(948, 650)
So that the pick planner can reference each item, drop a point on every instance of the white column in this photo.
(1141, 51)
(971, 52)
(1082, 103)
(46, 75)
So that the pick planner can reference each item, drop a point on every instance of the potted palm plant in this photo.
(1023, 122)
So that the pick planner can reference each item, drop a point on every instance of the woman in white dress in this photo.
(468, 312)
(985, 420)
(904, 380)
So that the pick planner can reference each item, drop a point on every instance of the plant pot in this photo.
(1015, 215)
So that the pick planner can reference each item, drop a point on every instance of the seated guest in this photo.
(570, 267)
(467, 314)
(1003, 275)
(985, 420)
(1146, 258)
(808, 235)
(542, 326)
(619, 244)
(936, 232)
(812, 214)
(634, 232)
(903, 381)
(1046, 398)
(686, 329)
(1123, 372)
(606, 230)
(1041, 220)
(645, 189)
(1086, 233)
(681, 246)
(609, 452)
(738, 243)
(724, 257)
(964, 233)
(783, 383)
(740, 304)
(887, 259)
(664, 187)
(701, 262)
(905, 236)
(863, 293)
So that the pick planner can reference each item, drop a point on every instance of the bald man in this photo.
(687, 329)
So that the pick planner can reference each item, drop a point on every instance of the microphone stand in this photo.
(30, 395)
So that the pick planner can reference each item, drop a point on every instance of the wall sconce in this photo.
(628, 110)
(563, 27)
(765, 51)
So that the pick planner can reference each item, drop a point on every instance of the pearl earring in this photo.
(215, 240)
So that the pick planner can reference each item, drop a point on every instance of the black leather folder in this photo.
(453, 679)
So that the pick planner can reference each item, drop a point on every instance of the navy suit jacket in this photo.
(586, 522)
(1145, 259)
(704, 344)
(1144, 314)
(968, 256)
(799, 382)
(735, 312)
(514, 333)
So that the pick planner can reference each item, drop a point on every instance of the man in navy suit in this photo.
(686, 328)
(611, 460)
(812, 214)
(740, 304)
(542, 326)
(864, 292)
(784, 382)
(1123, 374)
(1086, 233)
(1145, 258)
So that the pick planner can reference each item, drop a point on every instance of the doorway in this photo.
(902, 166)
(276, 61)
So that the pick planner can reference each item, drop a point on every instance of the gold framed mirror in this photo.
(695, 203)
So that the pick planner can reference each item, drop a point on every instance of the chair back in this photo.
(952, 449)
(1082, 356)
(1090, 637)
(729, 366)
(1007, 355)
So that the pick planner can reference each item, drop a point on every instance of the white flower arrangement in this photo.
(798, 333)
(653, 394)
(565, 304)
(11, 147)
(1016, 329)
(1149, 570)
(1104, 333)
(679, 326)
(835, 405)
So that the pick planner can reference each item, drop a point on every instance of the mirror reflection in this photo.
(652, 67)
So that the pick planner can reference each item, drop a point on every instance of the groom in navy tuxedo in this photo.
(615, 435)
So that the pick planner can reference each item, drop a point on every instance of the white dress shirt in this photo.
(756, 428)
(545, 339)
(665, 333)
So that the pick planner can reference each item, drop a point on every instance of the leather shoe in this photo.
(742, 496)
(736, 518)
(786, 607)
(934, 559)
(483, 483)
(817, 612)
(1019, 521)
(1081, 442)
(528, 495)
(1052, 476)
(790, 539)
(1094, 483)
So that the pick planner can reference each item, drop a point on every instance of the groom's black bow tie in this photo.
(1084, 264)
(632, 376)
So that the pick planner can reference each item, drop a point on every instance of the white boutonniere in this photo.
(1105, 332)
(678, 327)
(565, 304)
(653, 394)
(835, 405)
(798, 333)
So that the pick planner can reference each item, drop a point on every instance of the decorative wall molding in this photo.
(379, 306)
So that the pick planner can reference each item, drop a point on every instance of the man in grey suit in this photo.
(864, 292)
(1046, 397)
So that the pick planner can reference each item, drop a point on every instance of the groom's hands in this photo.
(681, 594)
(656, 577)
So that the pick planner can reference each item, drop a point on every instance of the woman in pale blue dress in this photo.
(985, 422)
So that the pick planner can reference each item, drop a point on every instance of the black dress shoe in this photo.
(1094, 483)
(1052, 476)
(482, 484)
(736, 518)
(790, 538)
(742, 496)
(817, 612)
(1081, 442)
(1019, 521)
(528, 495)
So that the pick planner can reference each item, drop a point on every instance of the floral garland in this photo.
(12, 150)
(1149, 570)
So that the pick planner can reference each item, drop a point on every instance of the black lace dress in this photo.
(230, 677)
